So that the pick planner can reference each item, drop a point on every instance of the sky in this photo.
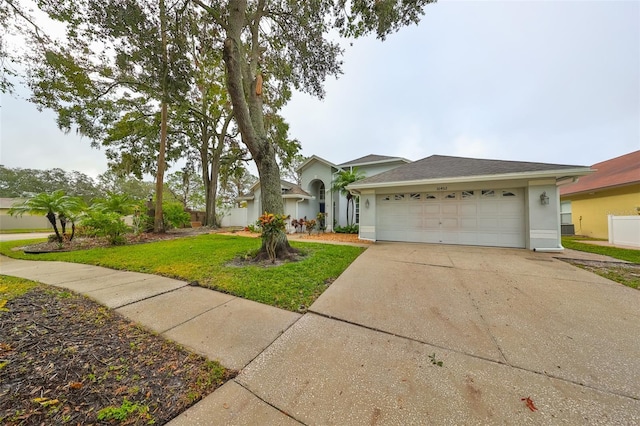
(543, 81)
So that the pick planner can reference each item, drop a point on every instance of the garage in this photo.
(468, 201)
(486, 217)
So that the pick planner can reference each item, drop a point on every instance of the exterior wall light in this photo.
(544, 199)
(366, 203)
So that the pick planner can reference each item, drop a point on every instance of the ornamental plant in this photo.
(273, 230)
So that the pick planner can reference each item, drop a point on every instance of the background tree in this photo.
(114, 76)
(289, 171)
(18, 183)
(342, 180)
(186, 187)
(117, 183)
(271, 47)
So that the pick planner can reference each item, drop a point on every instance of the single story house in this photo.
(439, 199)
(314, 194)
(470, 201)
(613, 189)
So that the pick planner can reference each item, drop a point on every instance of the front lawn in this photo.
(574, 243)
(206, 260)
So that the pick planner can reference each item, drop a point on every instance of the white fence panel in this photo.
(237, 216)
(624, 230)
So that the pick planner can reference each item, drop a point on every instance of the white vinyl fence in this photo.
(236, 216)
(624, 230)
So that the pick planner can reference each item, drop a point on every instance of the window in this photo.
(321, 192)
(357, 209)
(428, 196)
(565, 213)
(386, 198)
(415, 196)
(488, 193)
(450, 196)
(508, 194)
(467, 194)
(398, 197)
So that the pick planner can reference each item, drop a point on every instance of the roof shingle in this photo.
(623, 170)
(371, 158)
(441, 166)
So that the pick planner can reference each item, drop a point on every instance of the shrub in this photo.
(175, 216)
(108, 225)
(349, 229)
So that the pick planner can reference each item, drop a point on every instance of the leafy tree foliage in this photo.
(289, 171)
(18, 183)
(186, 187)
(271, 47)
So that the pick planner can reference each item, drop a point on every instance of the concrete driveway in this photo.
(506, 325)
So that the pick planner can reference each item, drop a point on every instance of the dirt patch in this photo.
(67, 360)
(621, 272)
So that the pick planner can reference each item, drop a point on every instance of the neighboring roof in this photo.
(373, 159)
(445, 168)
(619, 171)
(289, 190)
(314, 158)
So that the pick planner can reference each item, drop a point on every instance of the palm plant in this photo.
(340, 183)
(116, 203)
(55, 205)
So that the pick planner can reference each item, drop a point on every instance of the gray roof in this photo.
(287, 188)
(371, 158)
(441, 166)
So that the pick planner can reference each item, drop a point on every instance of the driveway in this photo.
(504, 325)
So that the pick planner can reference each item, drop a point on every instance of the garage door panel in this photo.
(468, 223)
(431, 209)
(449, 209)
(496, 220)
(468, 210)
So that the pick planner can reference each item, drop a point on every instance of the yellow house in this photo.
(614, 189)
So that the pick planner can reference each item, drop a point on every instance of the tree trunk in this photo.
(158, 223)
(241, 79)
(52, 220)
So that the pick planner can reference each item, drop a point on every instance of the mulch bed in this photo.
(64, 358)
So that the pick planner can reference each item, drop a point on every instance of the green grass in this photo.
(629, 255)
(205, 258)
(24, 231)
(12, 287)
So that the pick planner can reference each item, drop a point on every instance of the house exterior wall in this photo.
(589, 211)
(314, 172)
(543, 220)
(23, 222)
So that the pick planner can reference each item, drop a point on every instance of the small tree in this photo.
(343, 179)
(54, 206)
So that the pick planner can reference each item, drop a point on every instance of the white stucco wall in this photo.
(543, 221)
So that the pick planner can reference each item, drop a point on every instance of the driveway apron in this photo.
(432, 334)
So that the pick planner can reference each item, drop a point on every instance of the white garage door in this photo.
(489, 217)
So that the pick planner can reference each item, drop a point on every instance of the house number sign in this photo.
(441, 188)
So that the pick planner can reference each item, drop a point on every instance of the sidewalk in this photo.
(217, 325)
